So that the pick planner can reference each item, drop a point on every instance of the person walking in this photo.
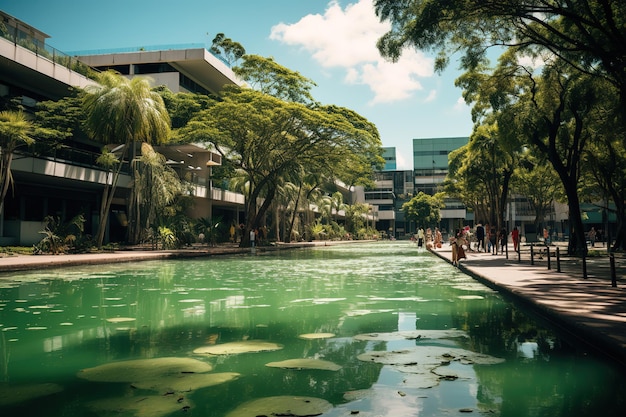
(515, 238)
(252, 237)
(480, 236)
(592, 236)
(420, 237)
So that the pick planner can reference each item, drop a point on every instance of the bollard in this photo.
(613, 274)
(532, 255)
(558, 260)
(519, 254)
(584, 266)
(506, 250)
(548, 253)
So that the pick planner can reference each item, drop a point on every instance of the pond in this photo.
(377, 329)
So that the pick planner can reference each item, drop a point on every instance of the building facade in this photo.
(66, 181)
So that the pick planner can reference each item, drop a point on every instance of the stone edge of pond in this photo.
(36, 262)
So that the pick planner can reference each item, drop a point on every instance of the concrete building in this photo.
(66, 181)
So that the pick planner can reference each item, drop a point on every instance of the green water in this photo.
(54, 323)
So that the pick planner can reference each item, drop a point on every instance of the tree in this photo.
(269, 138)
(538, 183)
(423, 208)
(268, 76)
(156, 186)
(15, 130)
(121, 111)
(227, 49)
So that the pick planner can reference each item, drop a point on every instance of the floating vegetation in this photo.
(17, 394)
(412, 335)
(305, 364)
(471, 297)
(185, 382)
(244, 346)
(140, 406)
(282, 406)
(316, 335)
(120, 319)
(422, 361)
(143, 369)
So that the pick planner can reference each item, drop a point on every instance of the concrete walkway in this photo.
(589, 309)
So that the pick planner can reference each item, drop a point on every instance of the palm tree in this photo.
(15, 130)
(122, 111)
(155, 187)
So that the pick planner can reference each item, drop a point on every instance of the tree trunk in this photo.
(107, 199)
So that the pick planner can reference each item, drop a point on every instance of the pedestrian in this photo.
(592, 236)
(232, 233)
(480, 236)
(515, 238)
(546, 237)
(454, 244)
(420, 237)
(252, 237)
(503, 239)
(438, 238)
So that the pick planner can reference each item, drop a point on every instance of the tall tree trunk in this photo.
(107, 199)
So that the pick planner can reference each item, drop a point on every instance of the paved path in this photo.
(589, 309)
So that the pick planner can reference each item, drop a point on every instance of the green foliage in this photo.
(227, 49)
(209, 230)
(62, 237)
(423, 209)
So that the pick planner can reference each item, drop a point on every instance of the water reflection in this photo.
(55, 323)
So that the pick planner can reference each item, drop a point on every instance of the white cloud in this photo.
(346, 39)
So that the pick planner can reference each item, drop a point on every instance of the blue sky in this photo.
(332, 42)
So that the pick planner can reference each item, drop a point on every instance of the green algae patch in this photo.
(185, 382)
(140, 406)
(232, 348)
(143, 369)
(17, 394)
(305, 364)
(282, 406)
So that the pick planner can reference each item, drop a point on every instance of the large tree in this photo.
(275, 132)
(122, 112)
(268, 138)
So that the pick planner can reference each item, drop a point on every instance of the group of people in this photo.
(429, 238)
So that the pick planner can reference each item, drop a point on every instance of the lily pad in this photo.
(120, 319)
(412, 334)
(19, 393)
(140, 406)
(424, 363)
(429, 355)
(143, 369)
(316, 335)
(186, 382)
(305, 364)
(244, 346)
(282, 406)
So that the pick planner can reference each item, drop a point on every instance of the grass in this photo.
(16, 250)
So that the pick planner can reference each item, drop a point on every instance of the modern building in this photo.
(66, 181)
(430, 164)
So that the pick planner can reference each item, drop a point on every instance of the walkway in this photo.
(589, 309)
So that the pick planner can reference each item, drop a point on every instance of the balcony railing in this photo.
(25, 40)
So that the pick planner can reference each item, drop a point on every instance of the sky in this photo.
(331, 42)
